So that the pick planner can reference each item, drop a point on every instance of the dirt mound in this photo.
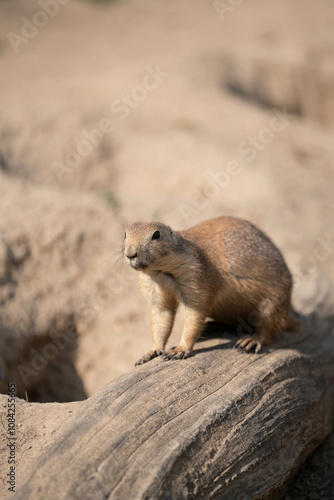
(58, 144)
(52, 251)
(301, 83)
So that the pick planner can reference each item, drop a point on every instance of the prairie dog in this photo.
(225, 269)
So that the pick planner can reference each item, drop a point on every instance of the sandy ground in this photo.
(117, 111)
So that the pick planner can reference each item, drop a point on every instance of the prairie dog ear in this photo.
(173, 234)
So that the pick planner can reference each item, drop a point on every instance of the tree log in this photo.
(221, 424)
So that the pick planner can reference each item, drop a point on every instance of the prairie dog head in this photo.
(148, 246)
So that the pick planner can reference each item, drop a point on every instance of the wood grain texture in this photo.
(220, 424)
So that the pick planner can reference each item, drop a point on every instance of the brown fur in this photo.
(225, 269)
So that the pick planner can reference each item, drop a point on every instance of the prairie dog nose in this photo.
(130, 252)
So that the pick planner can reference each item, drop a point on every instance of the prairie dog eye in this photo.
(124, 234)
(156, 235)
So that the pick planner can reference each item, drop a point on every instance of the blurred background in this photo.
(116, 111)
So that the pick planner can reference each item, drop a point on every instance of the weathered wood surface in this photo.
(220, 424)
